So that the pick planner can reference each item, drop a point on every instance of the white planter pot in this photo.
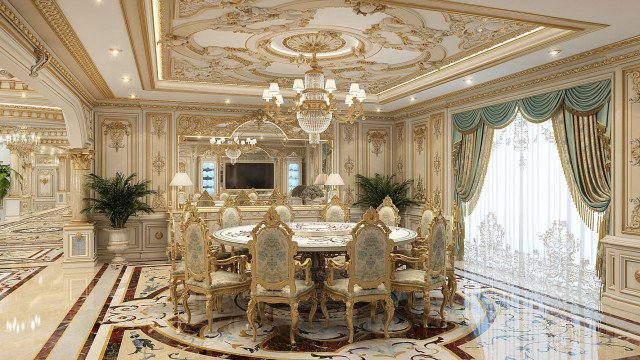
(118, 243)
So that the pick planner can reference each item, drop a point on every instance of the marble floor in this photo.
(122, 312)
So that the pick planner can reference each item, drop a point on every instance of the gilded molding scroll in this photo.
(158, 123)
(436, 163)
(437, 125)
(400, 133)
(635, 152)
(88, 118)
(365, 8)
(635, 79)
(81, 159)
(635, 213)
(419, 135)
(117, 131)
(349, 165)
(437, 198)
(399, 166)
(42, 58)
(377, 139)
(158, 163)
(419, 190)
(349, 130)
(349, 197)
(188, 8)
(159, 201)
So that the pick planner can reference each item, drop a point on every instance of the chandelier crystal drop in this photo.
(22, 141)
(314, 104)
(234, 147)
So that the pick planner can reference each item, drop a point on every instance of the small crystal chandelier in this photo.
(234, 147)
(22, 141)
(314, 103)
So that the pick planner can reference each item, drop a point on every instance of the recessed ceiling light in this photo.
(413, 98)
(226, 101)
(378, 110)
(132, 95)
(115, 51)
(555, 52)
(24, 95)
(126, 79)
(468, 81)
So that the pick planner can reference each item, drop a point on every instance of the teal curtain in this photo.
(582, 129)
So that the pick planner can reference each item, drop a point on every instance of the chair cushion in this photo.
(179, 268)
(220, 279)
(285, 291)
(415, 277)
(342, 286)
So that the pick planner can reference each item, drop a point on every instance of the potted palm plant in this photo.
(5, 180)
(118, 198)
(375, 189)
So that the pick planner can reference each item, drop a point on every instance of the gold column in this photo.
(26, 182)
(15, 191)
(62, 173)
(81, 160)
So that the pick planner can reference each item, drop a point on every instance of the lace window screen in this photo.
(525, 228)
(209, 177)
(293, 173)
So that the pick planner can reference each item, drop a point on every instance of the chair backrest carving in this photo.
(253, 195)
(229, 215)
(335, 211)
(388, 212)
(206, 199)
(275, 194)
(173, 248)
(197, 243)
(284, 210)
(369, 253)
(242, 199)
(436, 243)
(272, 252)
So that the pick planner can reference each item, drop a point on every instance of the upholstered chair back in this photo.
(284, 210)
(224, 196)
(388, 213)
(242, 199)
(335, 211)
(205, 199)
(437, 243)
(272, 254)
(253, 195)
(229, 215)
(425, 223)
(197, 243)
(369, 253)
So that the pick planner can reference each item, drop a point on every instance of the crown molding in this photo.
(30, 112)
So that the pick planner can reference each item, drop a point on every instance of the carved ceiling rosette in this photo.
(377, 139)
(419, 135)
(117, 132)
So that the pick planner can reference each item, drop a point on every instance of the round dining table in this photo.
(317, 239)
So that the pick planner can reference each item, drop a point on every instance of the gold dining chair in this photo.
(368, 271)
(273, 271)
(431, 270)
(284, 210)
(202, 270)
(174, 254)
(335, 211)
(388, 213)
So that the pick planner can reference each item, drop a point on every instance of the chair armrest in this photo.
(241, 260)
(334, 265)
(306, 266)
(404, 259)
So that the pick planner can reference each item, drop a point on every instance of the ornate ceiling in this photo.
(254, 42)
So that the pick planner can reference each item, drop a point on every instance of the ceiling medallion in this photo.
(316, 42)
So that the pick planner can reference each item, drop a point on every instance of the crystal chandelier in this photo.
(22, 141)
(314, 104)
(234, 147)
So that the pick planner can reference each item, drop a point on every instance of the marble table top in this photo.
(311, 236)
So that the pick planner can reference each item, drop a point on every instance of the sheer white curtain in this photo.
(525, 229)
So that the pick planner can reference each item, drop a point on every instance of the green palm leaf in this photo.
(374, 189)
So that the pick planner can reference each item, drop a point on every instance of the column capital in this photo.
(81, 158)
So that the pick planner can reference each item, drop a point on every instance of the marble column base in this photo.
(79, 244)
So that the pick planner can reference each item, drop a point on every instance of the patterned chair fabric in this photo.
(174, 254)
(273, 271)
(253, 195)
(224, 196)
(388, 213)
(284, 210)
(229, 215)
(368, 270)
(335, 211)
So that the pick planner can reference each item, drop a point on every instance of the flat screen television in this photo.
(248, 175)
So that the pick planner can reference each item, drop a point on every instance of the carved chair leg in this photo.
(219, 303)
(323, 307)
(389, 314)
(173, 289)
(453, 288)
(251, 309)
(314, 305)
(426, 299)
(185, 304)
(374, 307)
(261, 312)
(294, 322)
(349, 316)
(445, 295)
(209, 310)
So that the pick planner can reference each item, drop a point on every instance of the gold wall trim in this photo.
(13, 111)
(629, 202)
(30, 41)
(54, 16)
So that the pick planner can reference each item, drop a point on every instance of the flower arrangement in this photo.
(311, 192)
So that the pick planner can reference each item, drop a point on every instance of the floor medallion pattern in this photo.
(137, 322)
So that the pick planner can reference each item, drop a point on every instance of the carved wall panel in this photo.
(158, 156)
(419, 147)
(116, 143)
(631, 151)
(348, 160)
(400, 153)
(435, 163)
(45, 182)
(378, 148)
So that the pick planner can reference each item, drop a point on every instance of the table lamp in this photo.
(320, 179)
(334, 179)
(180, 180)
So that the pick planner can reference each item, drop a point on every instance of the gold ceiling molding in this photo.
(54, 16)
(438, 103)
(22, 112)
(44, 132)
(14, 84)
(62, 72)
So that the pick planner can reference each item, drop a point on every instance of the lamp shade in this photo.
(181, 179)
(320, 179)
(334, 179)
